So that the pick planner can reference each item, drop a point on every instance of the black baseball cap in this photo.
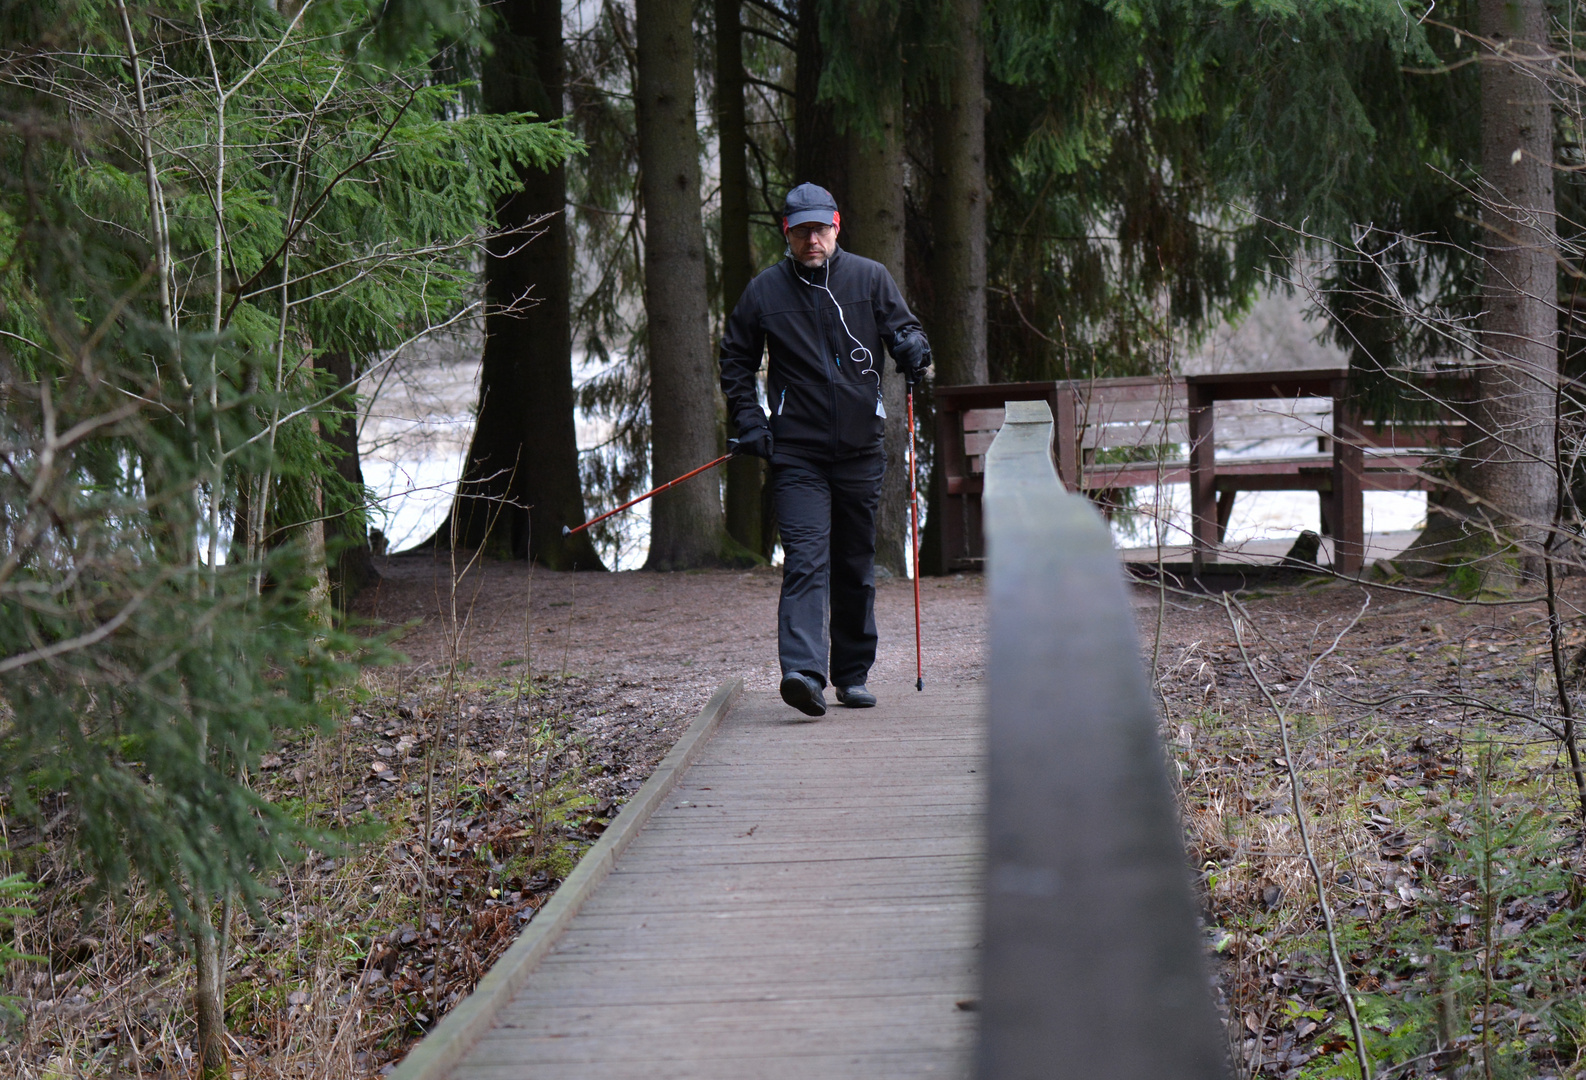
(808, 203)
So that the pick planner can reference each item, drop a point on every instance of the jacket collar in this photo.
(819, 273)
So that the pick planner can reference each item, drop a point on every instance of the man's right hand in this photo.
(755, 442)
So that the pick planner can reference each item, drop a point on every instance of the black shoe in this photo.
(855, 697)
(803, 693)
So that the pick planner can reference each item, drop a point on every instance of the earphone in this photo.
(861, 356)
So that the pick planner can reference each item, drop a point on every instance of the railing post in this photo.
(1065, 410)
(1093, 965)
(950, 461)
(1203, 474)
(1348, 516)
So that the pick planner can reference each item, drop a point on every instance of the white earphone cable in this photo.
(860, 355)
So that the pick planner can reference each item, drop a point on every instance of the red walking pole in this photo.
(633, 502)
(914, 543)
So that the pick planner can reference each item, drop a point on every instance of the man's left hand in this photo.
(911, 353)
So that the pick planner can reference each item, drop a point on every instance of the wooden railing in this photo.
(1093, 966)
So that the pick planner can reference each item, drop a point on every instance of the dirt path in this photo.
(677, 634)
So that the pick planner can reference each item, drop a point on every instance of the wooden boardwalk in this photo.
(804, 903)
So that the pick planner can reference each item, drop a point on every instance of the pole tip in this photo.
(566, 531)
(919, 684)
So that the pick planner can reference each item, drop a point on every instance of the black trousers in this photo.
(826, 513)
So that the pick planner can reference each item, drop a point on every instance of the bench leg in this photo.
(1225, 510)
(1203, 476)
(1349, 465)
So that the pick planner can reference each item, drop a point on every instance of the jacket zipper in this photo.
(831, 372)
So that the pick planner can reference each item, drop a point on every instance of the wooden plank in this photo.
(1315, 382)
(762, 952)
(797, 894)
(460, 1030)
(620, 987)
(976, 442)
(580, 972)
(1134, 388)
(804, 903)
(989, 395)
(901, 1065)
(983, 419)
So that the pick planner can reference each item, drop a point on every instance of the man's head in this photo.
(810, 222)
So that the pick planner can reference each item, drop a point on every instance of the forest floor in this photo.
(530, 705)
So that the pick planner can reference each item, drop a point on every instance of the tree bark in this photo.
(346, 537)
(958, 204)
(875, 170)
(686, 528)
(745, 475)
(1511, 460)
(819, 153)
(209, 997)
(521, 483)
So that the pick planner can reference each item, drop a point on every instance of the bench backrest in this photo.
(1152, 416)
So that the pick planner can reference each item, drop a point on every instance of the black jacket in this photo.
(824, 393)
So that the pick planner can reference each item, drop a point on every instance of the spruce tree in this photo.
(686, 527)
(521, 483)
(172, 324)
(746, 484)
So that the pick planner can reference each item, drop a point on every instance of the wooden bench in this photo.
(1112, 434)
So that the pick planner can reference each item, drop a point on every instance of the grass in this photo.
(1451, 858)
(356, 955)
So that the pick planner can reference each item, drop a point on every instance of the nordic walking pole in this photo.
(653, 491)
(914, 544)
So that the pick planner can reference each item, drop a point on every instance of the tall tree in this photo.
(1511, 461)
(745, 475)
(820, 154)
(145, 408)
(346, 524)
(686, 527)
(862, 80)
(876, 210)
(520, 484)
(958, 201)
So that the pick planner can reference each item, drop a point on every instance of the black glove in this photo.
(911, 353)
(755, 441)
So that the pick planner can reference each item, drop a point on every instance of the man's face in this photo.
(813, 244)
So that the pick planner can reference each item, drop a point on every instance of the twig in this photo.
(1304, 829)
(1555, 625)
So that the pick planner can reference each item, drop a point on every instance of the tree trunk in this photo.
(209, 997)
(521, 482)
(346, 533)
(686, 528)
(1511, 470)
(819, 153)
(875, 170)
(958, 205)
(745, 475)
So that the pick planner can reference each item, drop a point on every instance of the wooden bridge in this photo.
(947, 885)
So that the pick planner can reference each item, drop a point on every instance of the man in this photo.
(822, 315)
